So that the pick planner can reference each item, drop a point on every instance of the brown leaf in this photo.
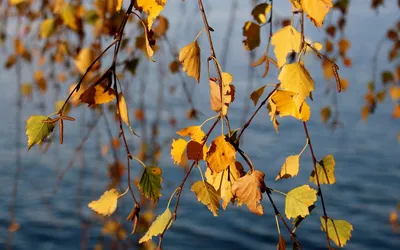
(134, 216)
(248, 189)
(281, 244)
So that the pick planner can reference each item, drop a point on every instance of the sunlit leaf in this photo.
(119, 5)
(152, 8)
(248, 189)
(84, 59)
(150, 183)
(298, 200)
(68, 16)
(252, 33)
(228, 94)
(163, 221)
(206, 193)
(285, 40)
(123, 111)
(316, 10)
(325, 171)
(283, 101)
(294, 77)
(107, 204)
(189, 56)
(220, 155)
(290, 167)
(177, 149)
(47, 28)
(94, 95)
(339, 231)
(194, 132)
(37, 130)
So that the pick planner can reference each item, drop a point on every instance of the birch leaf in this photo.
(206, 193)
(285, 40)
(107, 204)
(150, 183)
(339, 231)
(162, 221)
(325, 171)
(189, 56)
(298, 200)
(290, 167)
(36, 130)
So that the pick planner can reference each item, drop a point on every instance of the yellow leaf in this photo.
(260, 12)
(123, 111)
(163, 221)
(119, 5)
(177, 149)
(255, 96)
(339, 231)
(283, 101)
(47, 28)
(318, 46)
(298, 200)
(26, 89)
(290, 167)
(316, 10)
(294, 77)
(96, 95)
(149, 49)
(325, 171)
(396, 111)
(394, 93)
(84, 59)
(206, 193)
(152, 8)
(248, 189)
(37, 130)
(220, 155)
(189, 56)
(19, 46)
(285, 40)
(194, 132)
(228, 94)
(15, 2)
(75, 96)
(252, 33)
(107, 204)
(223, 183)
(68, 16)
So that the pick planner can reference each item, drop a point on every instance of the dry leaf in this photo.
(189, 56)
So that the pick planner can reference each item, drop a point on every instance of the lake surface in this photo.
(367, 163)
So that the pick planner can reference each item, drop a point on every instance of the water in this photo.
(367, 166)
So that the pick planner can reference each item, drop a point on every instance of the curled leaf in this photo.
(189, 56)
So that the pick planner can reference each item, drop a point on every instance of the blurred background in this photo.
(45, 191)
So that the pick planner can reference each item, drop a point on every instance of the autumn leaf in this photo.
(15, 2)
(95, 94)
(37, 130)
(67, 13)
(316, 10)
(26, 89)
(325, 171)
(339, 231)
(149, 48)
(189, 56)
(325, 114)
(84, 60)
(281, 244)
(206, 193)
(152, 8)
(163, 221)
(252, 33)
(107, 204)
(290, 167)
(294, 77)
(177, 149)
(222, 181)
(248, 189)
(298, 200)
(119, 5)
(283, 102)
(47, 28)
(123, 111)
(255, 96)
(220, 155)
(194, 132)
(285, 40)
(260, 12)
(150, 183)
(228, 94)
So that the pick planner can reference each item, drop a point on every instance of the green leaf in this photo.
(298, 200)
(290, 167)
(207, 194)
(162, 221)
(36, 130)
(260, 12)
(325, 171)
(255, 96)
(339, 231)
(150, 183)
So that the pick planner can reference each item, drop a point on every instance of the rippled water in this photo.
(367, 165)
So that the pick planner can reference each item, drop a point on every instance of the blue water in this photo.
(366, 154)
